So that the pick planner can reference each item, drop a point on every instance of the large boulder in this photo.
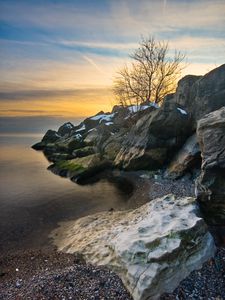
(208, 93)
(155, 136)
(152, 248)
(200, 95)
(210, 186)
(186, 159)
(183, 92)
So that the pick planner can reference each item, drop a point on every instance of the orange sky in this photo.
(59, 58)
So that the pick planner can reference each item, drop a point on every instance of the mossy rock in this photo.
(74, 167)
(82, 152)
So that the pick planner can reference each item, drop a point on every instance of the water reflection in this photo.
(33, 199)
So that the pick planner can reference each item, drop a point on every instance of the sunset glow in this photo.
(58, 58)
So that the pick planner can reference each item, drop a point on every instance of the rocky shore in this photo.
(178, 150)
(48, 274)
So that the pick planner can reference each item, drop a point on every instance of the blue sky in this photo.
(59, 57)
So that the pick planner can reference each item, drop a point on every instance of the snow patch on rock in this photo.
(81, 129)
(182, 111)
(103, 117)
(78, 136)
(136, 108)
(68, 125)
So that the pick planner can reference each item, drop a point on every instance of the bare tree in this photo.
(151, 75)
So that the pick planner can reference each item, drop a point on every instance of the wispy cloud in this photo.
(92, 63)
(102, 45)
(51, 51)
(30, 95)
(77, 102)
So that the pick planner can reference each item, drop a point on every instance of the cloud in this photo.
(99, 45)
(117, 18)
(30, 95)
(92, 63)
(57, 55)
(71, 103)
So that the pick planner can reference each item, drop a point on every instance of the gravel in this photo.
(36, 275)
(51, 275)
(208, 283)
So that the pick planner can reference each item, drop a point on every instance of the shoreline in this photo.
(46, 262)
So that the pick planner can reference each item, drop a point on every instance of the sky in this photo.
(58, 58)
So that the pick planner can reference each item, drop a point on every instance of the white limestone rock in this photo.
(152, 248)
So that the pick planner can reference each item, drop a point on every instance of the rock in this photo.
(145, 137)
(74, 167)
(151, 248)
(210, 186)
(54, 156)
(38, 146)
(112, 145)
(187, 158)
(111, 149)
(89, 175)
(71, 143)
(85, 151)
(97, 137)
(50, 137)
(153, 139)
(208, 93)
(200, 95)
(65, 129)
(99, 118)
(183, 93)
(91, 137)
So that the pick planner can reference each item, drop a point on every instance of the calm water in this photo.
(33, 200)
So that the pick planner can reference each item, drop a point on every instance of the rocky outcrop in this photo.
(145, 136)
(208, 93)
(210, 186)
(152, 248)
(200, 95)
(152, 141)
(186, 159)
